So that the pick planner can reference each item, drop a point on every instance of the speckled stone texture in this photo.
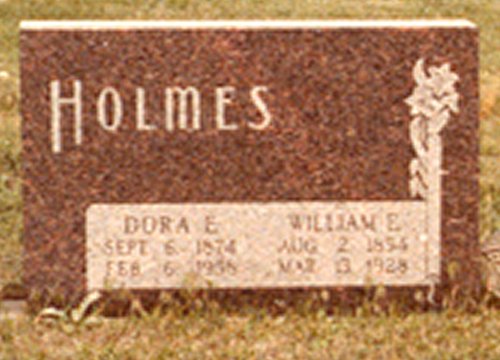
(340, 129)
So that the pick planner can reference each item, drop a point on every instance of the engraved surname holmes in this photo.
(182, 108)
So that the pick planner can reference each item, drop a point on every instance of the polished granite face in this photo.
(287, 156)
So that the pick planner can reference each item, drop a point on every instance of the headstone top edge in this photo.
(37, 25)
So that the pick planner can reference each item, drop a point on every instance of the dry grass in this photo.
(210, 333)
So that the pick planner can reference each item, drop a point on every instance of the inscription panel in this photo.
(236, 245)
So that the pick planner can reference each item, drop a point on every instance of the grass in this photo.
(250, 333)
(258, 336)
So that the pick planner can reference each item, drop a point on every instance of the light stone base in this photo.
(259, 245)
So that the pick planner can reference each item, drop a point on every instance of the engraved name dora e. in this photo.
(182, 110)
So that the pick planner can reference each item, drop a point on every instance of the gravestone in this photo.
(249, 155)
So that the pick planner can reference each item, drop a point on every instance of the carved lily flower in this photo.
(434, 92)
(422, 101)
(442, 80)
